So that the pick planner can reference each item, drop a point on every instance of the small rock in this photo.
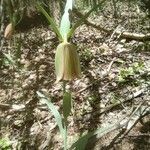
(123, 41)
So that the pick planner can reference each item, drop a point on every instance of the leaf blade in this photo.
(54, 112)
(65, 21)
(51, 21)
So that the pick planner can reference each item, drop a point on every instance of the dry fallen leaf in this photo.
(8, 31)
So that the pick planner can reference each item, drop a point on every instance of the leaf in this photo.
(54, 112)
(80, 144)
(65, 21)
(50, 20)
(10, 59)
(79, 22)
(69, 5)
(5, 144)
(66, 104)
(65, 26)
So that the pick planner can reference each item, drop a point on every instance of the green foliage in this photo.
(65, 32)
(53, 110)
(15, 10)
(5, 144)
(17, 54)
(127, 73)
(58, 118)
(51, 21)
(115, 97)
(86, 55)
(61, 32)
(80, 144)
(9, 60)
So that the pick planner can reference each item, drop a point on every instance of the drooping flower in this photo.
(67, 64)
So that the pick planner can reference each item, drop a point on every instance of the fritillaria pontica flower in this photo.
(67, 62)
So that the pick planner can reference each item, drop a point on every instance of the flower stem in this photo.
(64, 87)
(65, 120)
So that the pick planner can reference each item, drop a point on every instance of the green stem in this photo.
(65, 135)
(65, 120)
(64, 87)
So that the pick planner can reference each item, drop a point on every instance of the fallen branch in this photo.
(12, 108)
(108, 108)
(120, 124)
(4, 106)
(127, 35)
(106, 73)
(129, 98)
(140, 112)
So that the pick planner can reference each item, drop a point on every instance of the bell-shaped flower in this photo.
(67, 64)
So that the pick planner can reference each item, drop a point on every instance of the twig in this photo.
(128, 35)
(120, 124)
(130, 97)
(134, 118)
(12, 108)
(113, 33)
(110, 65)
(106, 72)
(108, 108)
(4, 106)
(138, 114)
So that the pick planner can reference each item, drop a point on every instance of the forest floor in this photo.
(114, 86)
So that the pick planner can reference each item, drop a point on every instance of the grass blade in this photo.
(79, 22)
(54, 112)
(80, 144)
(51, 21)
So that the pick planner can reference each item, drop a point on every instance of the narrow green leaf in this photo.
(65, 21)
(80, 21)
(51, 21)
(54, 112)
(66, 104)
(65, 25)
(81, 142)
(69, 5)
